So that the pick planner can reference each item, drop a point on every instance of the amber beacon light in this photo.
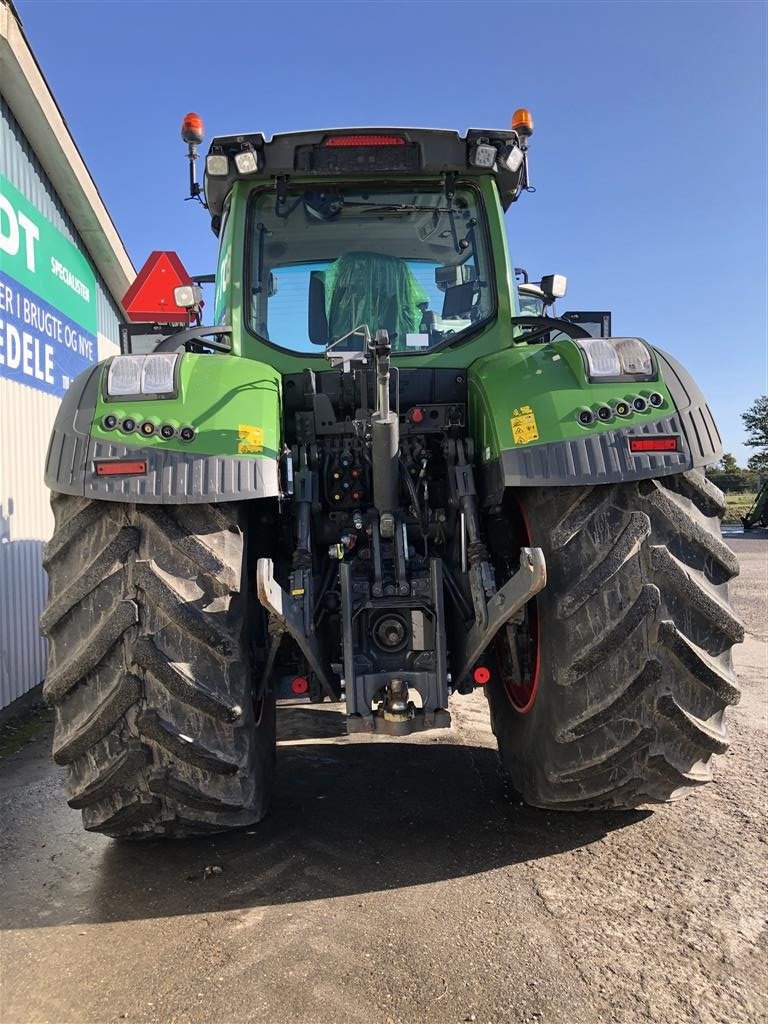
(522, 122)
(192, 129)
(192, 132)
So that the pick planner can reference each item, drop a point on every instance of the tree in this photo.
(756, 423)
(758, 463)
(729, 476)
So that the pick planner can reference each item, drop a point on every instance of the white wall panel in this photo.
(26, 419)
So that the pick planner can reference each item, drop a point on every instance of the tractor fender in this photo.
(231, 404)
(604, 456)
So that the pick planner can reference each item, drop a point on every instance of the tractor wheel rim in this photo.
(522, 695)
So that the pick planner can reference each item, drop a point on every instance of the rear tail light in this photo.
(121, 467)
(364, 140)
(638, 445)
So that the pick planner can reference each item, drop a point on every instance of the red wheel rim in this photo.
(522, 695)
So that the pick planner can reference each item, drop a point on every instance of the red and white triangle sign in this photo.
(150, 297)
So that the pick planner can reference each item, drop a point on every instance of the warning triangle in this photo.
(150, 297)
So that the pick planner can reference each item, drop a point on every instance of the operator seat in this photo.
(370, 288)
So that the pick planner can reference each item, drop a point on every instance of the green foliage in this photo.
(756, 423)
(758, 463)
(730, 477)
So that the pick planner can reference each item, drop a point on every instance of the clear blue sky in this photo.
(649, 156)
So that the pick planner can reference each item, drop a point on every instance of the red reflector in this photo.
(299, 685)
(416, 415)
(364, 140)
(121, 468)
(481, 675)
(654, 444)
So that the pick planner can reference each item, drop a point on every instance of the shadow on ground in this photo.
(347, 818)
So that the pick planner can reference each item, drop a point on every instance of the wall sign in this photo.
(47, 299)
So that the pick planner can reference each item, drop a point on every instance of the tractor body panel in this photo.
(231, 406)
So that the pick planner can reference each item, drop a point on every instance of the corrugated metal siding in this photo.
(21, 167)
(26, 420)
(23, 587)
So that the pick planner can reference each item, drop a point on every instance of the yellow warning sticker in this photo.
(250, 439)
(523, 424)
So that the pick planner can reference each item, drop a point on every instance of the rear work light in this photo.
(153, 374)
(247, 161)
(121, 467)
(638, 445)
(364, 140)
(616, 357)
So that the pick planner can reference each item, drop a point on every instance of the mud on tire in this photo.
(636, 632)
(150, 668)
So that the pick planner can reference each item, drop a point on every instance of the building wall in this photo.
(26, 419)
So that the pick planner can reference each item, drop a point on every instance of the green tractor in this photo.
(373, 480)
(758, 513)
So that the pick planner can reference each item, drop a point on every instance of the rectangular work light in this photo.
(483, 155)
(153, 374)
(246, 161)
(158, 372)
(616, 357)
(217, 165)
(124, 377)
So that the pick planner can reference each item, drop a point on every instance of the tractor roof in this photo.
(353, 153)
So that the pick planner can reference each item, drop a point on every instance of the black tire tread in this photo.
(636, 634)
(148, 669)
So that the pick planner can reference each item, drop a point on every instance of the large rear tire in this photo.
(633, 669)
(151, 668)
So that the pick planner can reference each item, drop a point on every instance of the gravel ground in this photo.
(401, 886)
